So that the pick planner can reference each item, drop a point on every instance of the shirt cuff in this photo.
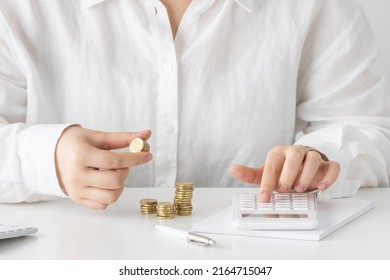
(37, 154)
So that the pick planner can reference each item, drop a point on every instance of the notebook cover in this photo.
(332, 214)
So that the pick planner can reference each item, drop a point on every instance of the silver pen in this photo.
(189, 236)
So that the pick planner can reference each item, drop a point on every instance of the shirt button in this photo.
(168, 129)
(168, 67)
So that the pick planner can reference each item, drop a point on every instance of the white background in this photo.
(378, 13)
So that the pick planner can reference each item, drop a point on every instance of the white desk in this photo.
(69, 231)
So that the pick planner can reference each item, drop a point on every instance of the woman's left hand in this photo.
(289, 167)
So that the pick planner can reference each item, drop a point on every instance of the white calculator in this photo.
(285, 211)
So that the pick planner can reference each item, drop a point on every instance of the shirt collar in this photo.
(245, 4)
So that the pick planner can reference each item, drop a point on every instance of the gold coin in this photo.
(183, 198)
(165, 210)
(148, 205)
(148, 201)
(184, 183)
(166, 217)
(165, 204)
(139, 145)
(184, 214)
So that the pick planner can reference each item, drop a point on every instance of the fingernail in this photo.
(283, 188)
(322, 186)
(264, 197)
(300, 188)
(148, 158)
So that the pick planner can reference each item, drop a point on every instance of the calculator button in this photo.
(265, 206)
(301, 207)
(282, 195)
(283, 207)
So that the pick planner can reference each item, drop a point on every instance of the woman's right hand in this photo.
(88, 171)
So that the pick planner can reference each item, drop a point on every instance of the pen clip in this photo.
(199, 239)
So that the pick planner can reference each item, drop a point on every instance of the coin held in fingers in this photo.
(139, 145)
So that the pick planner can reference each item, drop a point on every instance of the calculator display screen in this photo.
(274, 216)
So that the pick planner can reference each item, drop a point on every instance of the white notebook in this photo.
(332, 213)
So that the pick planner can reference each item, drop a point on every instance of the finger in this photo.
(294, 157)
(100, 196)
(309, 170)
(91, 204)
(80, 196)
(272, 168)
(116, 140)
(106, 179)
(246, 174)
(332, 171)
(111, 160)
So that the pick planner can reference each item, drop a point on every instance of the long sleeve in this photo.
(27, 166)
(235, 68)
(342, 106)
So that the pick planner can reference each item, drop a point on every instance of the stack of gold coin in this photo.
(183, 198)
(148, 205)
(139, 145)
(165, 210)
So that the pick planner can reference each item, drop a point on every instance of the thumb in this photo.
(247, 174)
(118, 140)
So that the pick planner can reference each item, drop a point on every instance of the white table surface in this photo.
(70, 231)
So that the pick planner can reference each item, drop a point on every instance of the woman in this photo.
(282, 88)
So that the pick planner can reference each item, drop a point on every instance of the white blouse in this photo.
(240, 77)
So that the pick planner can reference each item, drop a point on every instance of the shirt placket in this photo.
(166, 133)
